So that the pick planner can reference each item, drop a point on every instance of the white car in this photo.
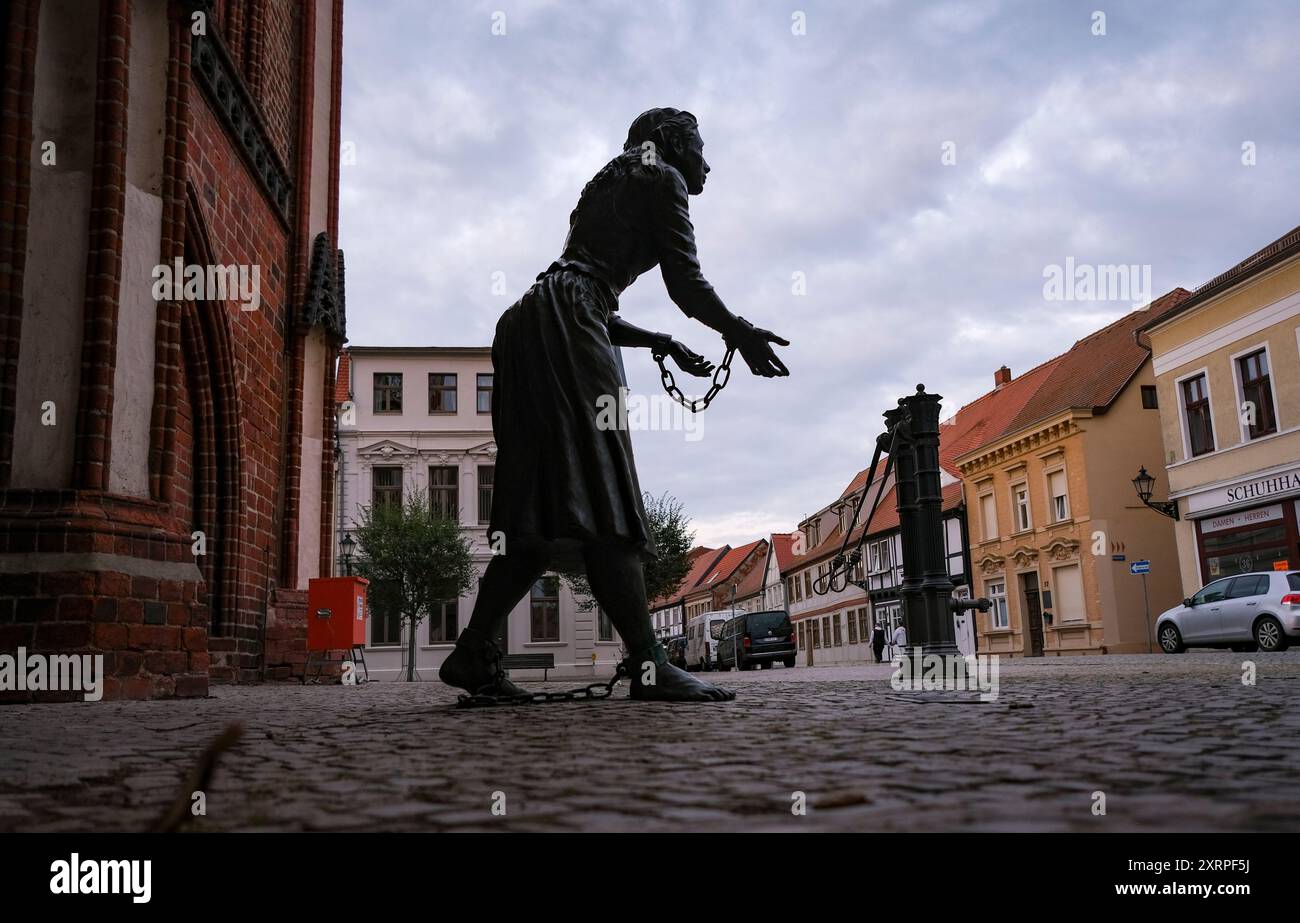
(702, 632)
(1244, 612)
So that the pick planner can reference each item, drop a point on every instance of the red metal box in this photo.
(336, 613)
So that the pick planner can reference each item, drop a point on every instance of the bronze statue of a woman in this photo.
(566, 489)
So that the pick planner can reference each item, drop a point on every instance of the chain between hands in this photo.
(721, 375)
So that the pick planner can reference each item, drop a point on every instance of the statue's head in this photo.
(675, 135)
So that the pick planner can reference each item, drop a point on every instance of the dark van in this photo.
(756, 638)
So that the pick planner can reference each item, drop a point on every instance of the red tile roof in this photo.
(343, 381)
(1096, 369)
(885, 520)
(783, 543)
(886, 517)
(985, 418)
(725, 568)
(703, 560)
(860, 479)
(752, 582)
(826, 548)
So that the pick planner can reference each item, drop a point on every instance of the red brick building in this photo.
(165, 458)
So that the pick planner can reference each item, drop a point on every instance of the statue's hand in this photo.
(755, 344)
(692, 363)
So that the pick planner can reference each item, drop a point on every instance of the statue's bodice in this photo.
(631, 217)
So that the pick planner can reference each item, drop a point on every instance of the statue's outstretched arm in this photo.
(622, 333)
(680, 266)
(678, 262)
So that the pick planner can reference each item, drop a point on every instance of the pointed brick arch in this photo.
(216, 437)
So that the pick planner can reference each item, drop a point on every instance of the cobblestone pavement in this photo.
(1175, 743)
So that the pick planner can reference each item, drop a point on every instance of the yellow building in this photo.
(1054, 519)
(1227, 363)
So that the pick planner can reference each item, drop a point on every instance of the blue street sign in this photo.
(1140, 567)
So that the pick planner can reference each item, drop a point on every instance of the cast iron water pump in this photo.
(911, 441)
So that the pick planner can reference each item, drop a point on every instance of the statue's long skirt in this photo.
(565, 477)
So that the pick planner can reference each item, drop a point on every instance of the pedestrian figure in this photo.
(878, 642)
(899, 640)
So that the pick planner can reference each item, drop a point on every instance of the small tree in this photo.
(415, 559)
(668, 523)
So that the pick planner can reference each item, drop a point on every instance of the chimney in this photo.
(1002, 377)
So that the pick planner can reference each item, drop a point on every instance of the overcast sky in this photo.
(827, 154)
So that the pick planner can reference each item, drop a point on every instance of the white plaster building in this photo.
(419, 418)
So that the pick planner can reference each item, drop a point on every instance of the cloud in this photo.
(826, 154)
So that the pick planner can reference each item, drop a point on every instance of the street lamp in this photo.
(1143, 484)
(346, 547)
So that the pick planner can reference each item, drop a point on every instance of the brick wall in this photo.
(81, 568)
(152, 632)
(18, 22)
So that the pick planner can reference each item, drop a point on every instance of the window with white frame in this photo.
(1196, 415)
(388, 392)
(443, 622)
(997, 594)
(1020, 499)
(1259, 417)
(989, 515)
(880, 557)
(1059, 496)
(386, 486)
(444, 495)
(384, 603)
(1069, 593)
(544, 617)
(486, 482)
(442, 392)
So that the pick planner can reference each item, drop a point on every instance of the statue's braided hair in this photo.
(660, 127)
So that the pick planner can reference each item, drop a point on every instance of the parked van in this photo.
(702, 633)
(757, 638)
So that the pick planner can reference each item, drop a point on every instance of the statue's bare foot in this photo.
(475, 666)
(674, 685)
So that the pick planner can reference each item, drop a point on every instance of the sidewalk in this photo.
(1174, 743)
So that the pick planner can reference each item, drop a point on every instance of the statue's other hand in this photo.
(756, 346)
(692, 363)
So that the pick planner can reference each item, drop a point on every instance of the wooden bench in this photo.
(543, 662)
